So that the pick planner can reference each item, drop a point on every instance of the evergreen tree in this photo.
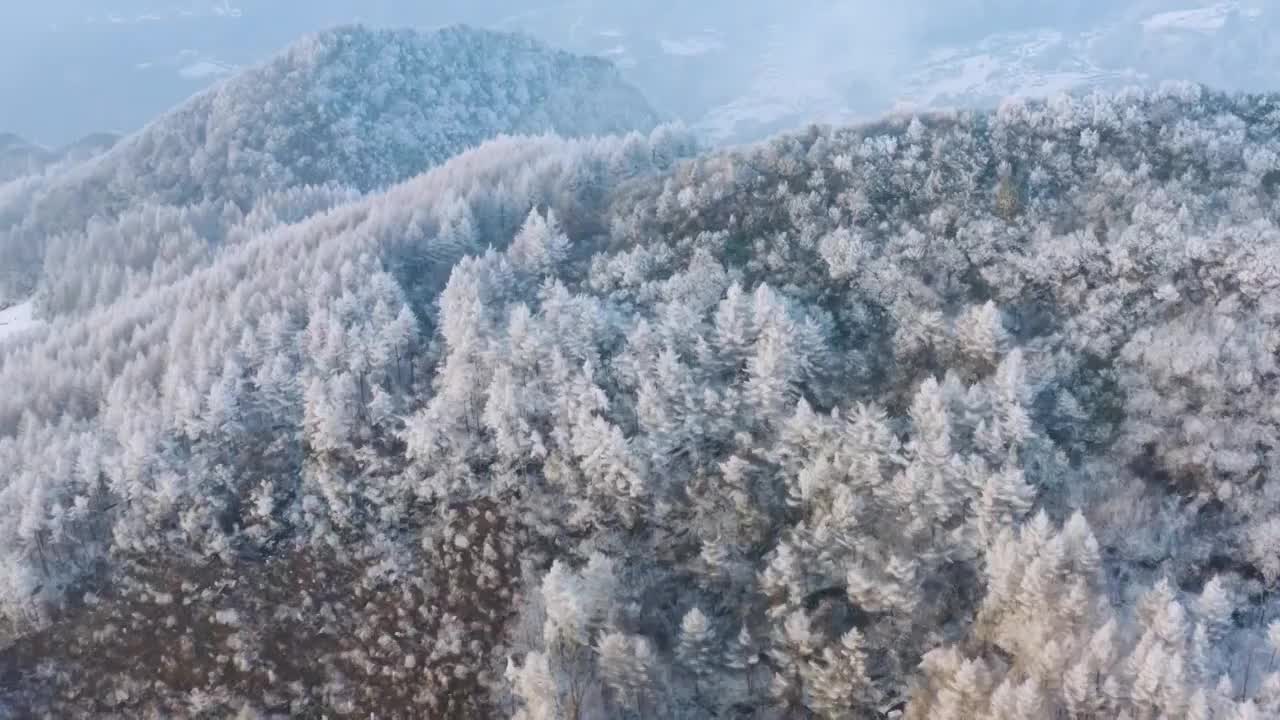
(697, 646)
(839, 682)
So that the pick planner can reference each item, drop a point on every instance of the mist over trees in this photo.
(348, 109)
(965, 415)
(737, 70)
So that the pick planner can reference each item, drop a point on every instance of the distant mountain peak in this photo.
(12, 140)
(367, 107)
(351, 106)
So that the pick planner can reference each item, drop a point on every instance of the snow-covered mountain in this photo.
(366, 108)
(19, 157)
(354, 109)
(1225, 44)
(734, 70)
(741, 75)
(967, 415)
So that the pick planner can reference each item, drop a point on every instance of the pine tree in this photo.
(625, 663)
(1147, 678)
(697, 646)
(223, 410)
(980, 335)
(577, 603)
(1011, 394)
(1080, 691)
(1030, 699)
(1006, 498)
(1198, 706)
(539, 248)
(535, 686)
(1201, 653)
(770, 367)
(742, 654)
(839, 683)
(930, 449)
(1005, 703)
(715, 556)
(1215, 607)
(1082, 547)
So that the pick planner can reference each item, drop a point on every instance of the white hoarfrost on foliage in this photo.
(958, 416)
(353, 107)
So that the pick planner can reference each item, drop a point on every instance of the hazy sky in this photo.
(69, 67)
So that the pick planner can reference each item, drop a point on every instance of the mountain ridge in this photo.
(351, 107)
(605, 408)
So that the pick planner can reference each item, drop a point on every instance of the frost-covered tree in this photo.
(697, 649)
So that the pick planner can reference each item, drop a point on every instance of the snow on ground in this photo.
(206, 69)
(983, 77)
(1039, 63)
(691, 46)
(190, 64)
(744, 116)
(619, 56)
(1206, 19)
(17, 319)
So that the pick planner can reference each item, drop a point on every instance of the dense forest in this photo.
(968, 415)
(351, 109)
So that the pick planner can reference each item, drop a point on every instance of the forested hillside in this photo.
(348, 110)
(19, 157)
(955, 416)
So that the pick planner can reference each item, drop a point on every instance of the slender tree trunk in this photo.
(1248, 667)
(44, 564)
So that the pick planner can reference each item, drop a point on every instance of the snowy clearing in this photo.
(1207, 19)
(18, 318)
(206, 69)
(691, 46)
